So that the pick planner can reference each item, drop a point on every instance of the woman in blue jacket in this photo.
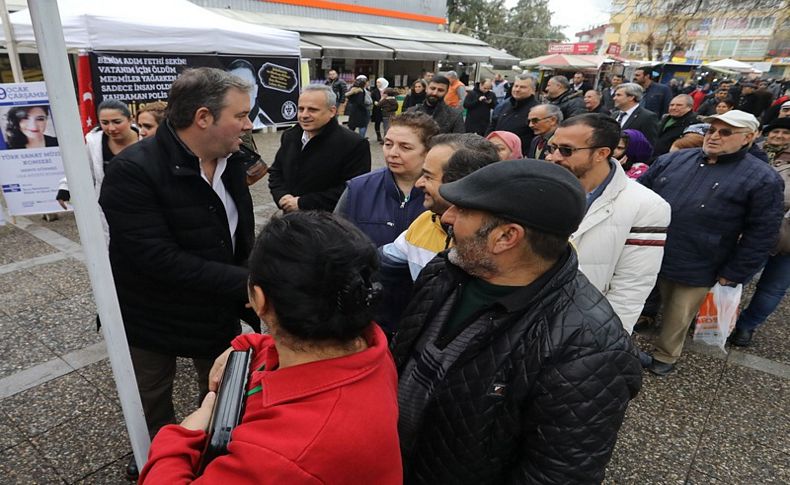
(384, 202)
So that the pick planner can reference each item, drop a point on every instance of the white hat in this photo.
(736, 118)
(786, 104)
(362, 76)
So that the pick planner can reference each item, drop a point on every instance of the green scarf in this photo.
(773, 150)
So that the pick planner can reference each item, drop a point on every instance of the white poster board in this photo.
(30, 163)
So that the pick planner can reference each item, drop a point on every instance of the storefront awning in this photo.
(462, 52)
(348, 47)
(409, 50)
(309, 51)
(498, 57)
(374, 41)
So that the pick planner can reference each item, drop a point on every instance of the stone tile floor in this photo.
(718, 419)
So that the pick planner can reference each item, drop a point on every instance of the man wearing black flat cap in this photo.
(512, 367)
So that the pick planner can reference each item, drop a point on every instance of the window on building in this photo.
(721, 48)
(751, 48)
(639, 27)
(634, 48)
(761, 22)
(736, 23)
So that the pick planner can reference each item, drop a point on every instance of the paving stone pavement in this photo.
(719, 419)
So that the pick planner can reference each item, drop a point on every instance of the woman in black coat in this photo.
(416, 95)
(356, 109)
(478, 104)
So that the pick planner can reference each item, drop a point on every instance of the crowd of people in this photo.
(462, 315)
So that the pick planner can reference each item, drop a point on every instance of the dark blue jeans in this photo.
(770, 290)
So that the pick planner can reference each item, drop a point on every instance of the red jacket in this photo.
(698, 96)
(327, 422)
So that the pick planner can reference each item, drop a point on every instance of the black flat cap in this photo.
(536, 194)
(777, 123)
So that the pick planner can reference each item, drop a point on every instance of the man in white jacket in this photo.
(620, 241)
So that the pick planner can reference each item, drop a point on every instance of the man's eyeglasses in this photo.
(567, 151)
(535, 121)
(723, 132)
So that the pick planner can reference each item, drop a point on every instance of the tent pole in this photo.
(13, 56)
(10, 42)
(57, 75)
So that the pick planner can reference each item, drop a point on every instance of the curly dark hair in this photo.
(14, 136)
(316, 268)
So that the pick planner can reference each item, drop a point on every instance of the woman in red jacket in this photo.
(321, 405)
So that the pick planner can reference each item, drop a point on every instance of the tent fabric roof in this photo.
(565, 60)
(177, 26)
(732, 65)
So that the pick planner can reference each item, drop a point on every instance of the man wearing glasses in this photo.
(726, 210)
(620, 241)
(543, 119)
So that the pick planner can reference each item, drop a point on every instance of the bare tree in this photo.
(675, 22)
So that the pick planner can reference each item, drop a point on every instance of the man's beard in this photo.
(579, 171)
(432, 100)
(472, 256)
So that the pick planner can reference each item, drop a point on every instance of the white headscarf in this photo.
(384, 84)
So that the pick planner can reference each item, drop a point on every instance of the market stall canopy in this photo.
(404, 43)
(157, 26)
(732, 65)
(567, 61)
(353, 47)
(409, 50)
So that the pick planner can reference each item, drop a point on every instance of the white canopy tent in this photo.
(171, 26)
(161, 26)
(732, 65)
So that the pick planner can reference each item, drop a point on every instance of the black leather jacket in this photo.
(537, 398)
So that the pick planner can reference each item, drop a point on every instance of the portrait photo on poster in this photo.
(273, 88)
(28, 126)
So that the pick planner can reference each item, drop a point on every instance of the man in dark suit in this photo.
(632, 116)
(543, 119)
(608, 93)
(579, 84)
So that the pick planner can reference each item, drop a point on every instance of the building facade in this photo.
(670, 30)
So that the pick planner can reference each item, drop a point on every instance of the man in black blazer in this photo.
(607, 94)
(632, 116)
(181, 230)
